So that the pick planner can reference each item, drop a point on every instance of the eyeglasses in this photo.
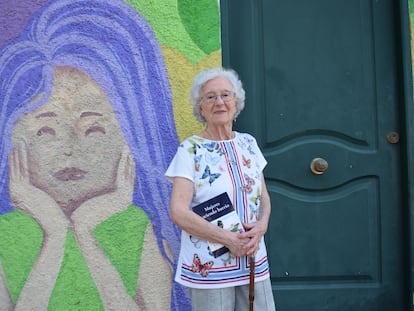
(211, 98)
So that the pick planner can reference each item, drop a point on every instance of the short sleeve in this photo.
(182, 165)
(261, 161)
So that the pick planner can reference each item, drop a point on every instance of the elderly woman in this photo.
(220, 160)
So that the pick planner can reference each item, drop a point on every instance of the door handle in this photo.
(319, 166)
(393, 137)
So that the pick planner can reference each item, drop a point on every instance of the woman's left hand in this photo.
(254, 232)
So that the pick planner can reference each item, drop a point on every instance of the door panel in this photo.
(321, 80)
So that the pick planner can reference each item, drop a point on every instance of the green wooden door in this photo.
(321, 78)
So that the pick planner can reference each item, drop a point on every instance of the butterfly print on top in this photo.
(199, 267)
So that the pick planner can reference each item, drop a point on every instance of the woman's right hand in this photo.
(26, 197)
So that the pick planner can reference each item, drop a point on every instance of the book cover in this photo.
(219, 211)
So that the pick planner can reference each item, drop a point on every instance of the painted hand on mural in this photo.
(160, 273)
(95, 210)
(31, 199)
(87, 217)
(54, 223)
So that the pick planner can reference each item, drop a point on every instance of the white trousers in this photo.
(233, 298)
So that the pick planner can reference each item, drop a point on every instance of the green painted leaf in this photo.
(201, 21)
(20, 243)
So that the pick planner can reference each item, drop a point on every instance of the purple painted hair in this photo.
(111, 42)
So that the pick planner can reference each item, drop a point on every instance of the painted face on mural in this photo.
(73, 141)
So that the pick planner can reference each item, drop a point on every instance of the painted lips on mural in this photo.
(70, 173)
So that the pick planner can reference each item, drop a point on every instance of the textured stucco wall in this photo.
(93, 103)
(189, 35)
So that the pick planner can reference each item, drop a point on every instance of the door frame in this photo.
(407, 125)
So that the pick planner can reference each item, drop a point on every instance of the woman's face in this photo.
(220, 112)
(73, 141)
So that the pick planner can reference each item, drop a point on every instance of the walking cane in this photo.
(251, 285)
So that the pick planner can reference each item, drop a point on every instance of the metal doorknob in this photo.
(319, 166)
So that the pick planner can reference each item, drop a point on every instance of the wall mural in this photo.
(93, 103)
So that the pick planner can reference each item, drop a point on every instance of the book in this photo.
(219, 211)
